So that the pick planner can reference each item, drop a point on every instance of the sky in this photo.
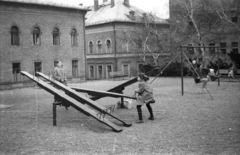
(158, 7)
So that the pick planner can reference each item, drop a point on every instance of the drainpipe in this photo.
(84, 47)
(115, 46)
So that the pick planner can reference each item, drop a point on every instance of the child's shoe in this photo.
(151, 118)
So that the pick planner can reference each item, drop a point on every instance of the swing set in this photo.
(196, 75)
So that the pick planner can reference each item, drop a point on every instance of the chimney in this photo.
(126, 2)
(95, 5)
(112, 3)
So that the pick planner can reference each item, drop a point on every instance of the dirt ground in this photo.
(192, 123)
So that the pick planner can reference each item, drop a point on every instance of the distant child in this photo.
(145, 96)
(231, 73)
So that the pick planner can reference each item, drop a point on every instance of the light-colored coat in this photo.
(145, 93)
(58, 73)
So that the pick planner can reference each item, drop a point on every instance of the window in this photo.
(99, 46)
(75, 68)
(74, 37)
(100, 72)
(91, 72)
(56, 37)
(189, 20)
(109, 46)
(234, 16)
(37, 67)
(16, 68)
(125, 68)
(55, 63)
(141, 67)
(190, 49)
(235, 47)
(36, 36)
(15, 36)
(109, 69)
(212, 50)
(235, 19)
(91, 47)
(223, 48)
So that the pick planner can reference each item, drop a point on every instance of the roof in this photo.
(49, 3)
(118, 13)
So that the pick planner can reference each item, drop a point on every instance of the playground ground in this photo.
(189, 124)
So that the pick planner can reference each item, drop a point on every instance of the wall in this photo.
(25, 17)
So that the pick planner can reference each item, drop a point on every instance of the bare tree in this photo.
(195, 22)
(228, 11)
(148, 37)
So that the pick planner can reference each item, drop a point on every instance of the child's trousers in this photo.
(140, 111)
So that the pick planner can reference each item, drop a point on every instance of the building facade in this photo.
(107, 50)
(35, 35)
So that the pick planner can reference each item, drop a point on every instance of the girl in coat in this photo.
(145, 96)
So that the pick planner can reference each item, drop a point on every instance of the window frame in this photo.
(223, 47)
(56, 36)
(74, 38)
(36, 36)
(90, 46)
(99, 46)
(37, 68)
(91, 73)
(108, 46)
(234, 47)
(15, 38)
(102, 72)
(17, 75)
(75, 68)
(211, 49)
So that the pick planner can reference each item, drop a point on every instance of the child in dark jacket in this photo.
(145, 96)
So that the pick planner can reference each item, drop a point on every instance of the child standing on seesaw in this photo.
(144, 96)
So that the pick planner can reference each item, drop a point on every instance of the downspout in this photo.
(84, 47)
(115, 47)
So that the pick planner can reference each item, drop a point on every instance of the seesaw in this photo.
(85, 100)
(118, 89)
(100, 116)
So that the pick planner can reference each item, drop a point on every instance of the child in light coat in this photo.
(145, 96)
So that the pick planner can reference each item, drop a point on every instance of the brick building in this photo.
(106, 49)
(35, 34)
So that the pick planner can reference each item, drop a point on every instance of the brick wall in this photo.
(26, 17)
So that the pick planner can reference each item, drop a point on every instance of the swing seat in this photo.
(197, 80)
(213, 78)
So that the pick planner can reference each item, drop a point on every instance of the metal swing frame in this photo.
(181, 52)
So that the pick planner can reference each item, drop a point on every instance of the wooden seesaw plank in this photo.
(101, 93)
(74, 103)
(118, 89)
(83, 99)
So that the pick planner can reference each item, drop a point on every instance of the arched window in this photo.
(91, 47)
(36, 36)
(15, 36)
(56, 37)
(108, 46)
(74, 37)
(99, 46)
